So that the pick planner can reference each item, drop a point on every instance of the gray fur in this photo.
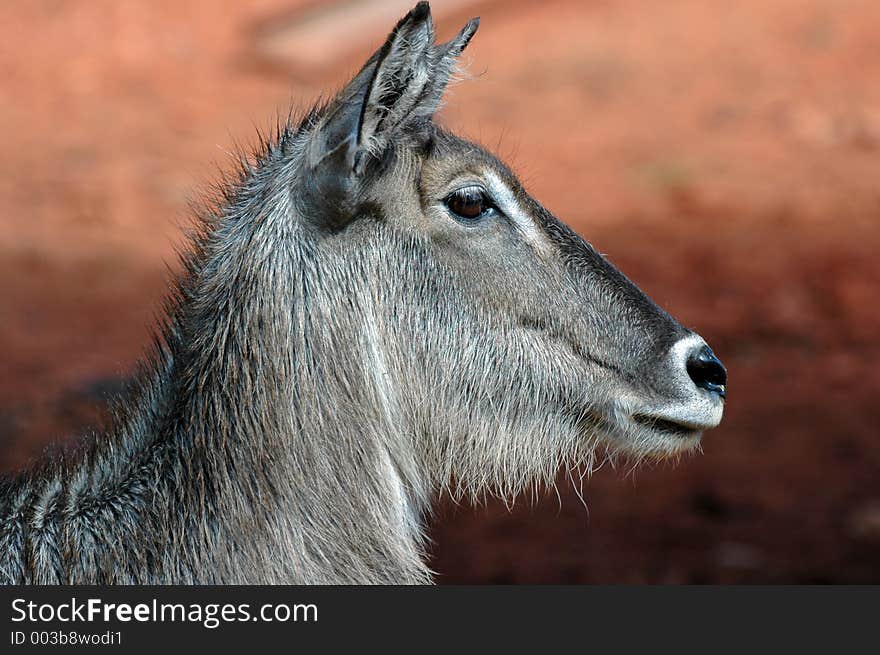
(341, 351)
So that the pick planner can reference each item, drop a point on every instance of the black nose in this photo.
(707, 371)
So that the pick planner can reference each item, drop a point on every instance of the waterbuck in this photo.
(377, 312)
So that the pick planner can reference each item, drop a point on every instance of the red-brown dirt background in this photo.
(725, 155)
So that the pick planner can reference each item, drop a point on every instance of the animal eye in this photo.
(469, 203)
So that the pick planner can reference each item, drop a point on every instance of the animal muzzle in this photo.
(694, 383)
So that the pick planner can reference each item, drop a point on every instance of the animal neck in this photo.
(260, 447)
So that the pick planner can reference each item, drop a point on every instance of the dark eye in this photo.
(469, 204)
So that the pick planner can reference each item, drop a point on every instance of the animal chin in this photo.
(643, 433)
(671, 433)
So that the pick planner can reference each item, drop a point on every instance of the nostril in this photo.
(707, 371)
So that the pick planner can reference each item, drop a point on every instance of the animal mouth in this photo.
(667, 426)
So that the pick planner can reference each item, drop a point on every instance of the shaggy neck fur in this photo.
(234, 461)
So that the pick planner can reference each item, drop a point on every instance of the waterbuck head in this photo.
(498, 344)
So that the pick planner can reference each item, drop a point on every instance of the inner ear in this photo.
(403, 72)
(399, 86)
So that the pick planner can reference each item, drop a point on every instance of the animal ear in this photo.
(401, 83)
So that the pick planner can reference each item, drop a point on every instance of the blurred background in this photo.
(725, 155)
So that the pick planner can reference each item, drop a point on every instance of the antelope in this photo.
(376, 314)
